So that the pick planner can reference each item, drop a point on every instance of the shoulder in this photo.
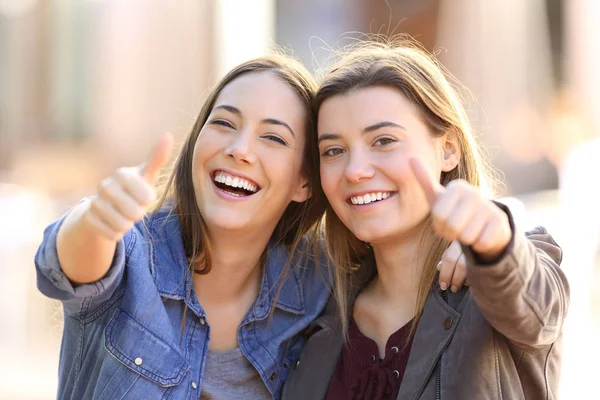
(543, 240)
(307, 258)
(306, 282)
(310, 262)
(157, 235)
(158, 226)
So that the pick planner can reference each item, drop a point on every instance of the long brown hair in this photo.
(298, 218)
(399, 64)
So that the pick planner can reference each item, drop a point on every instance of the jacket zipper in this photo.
(438, 368)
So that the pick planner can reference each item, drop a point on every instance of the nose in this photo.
(359, 167)
(241, 148)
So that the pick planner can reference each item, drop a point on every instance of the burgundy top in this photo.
(361, 374)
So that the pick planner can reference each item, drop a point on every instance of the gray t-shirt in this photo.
(230, 376)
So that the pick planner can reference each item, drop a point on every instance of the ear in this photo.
(303, 191)
(450, 153)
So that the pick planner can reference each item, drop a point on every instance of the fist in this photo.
(123, 198)
(461, 212)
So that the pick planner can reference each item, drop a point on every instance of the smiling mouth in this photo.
(369, 198)
(234, 185)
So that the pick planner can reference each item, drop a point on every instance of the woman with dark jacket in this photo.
(404, 177)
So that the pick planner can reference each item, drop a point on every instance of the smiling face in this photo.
(247, 159)
(366, 138)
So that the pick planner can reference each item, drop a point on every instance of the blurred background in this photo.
(89, 85)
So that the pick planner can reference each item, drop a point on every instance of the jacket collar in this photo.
(289, 285)
(436, 328)
(432, 336)
(171, 273)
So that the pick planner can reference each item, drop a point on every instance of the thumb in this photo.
(159, 157)
(430, 186)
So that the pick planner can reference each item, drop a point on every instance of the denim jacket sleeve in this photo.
(78, 300)
(525, 294)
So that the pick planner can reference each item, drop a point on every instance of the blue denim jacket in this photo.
(123, 334)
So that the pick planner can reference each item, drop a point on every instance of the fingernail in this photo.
(454, 289)
(443, 286)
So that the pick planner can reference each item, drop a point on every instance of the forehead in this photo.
(263, 95)
(366, 106)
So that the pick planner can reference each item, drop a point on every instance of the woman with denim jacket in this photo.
(199, 297)
(403, 177)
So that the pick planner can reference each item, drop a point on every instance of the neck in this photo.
(236, 269)
(399, 269)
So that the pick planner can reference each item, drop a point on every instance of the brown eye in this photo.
(384, 141)
(332, 152)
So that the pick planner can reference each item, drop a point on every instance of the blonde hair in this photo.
(403, 65)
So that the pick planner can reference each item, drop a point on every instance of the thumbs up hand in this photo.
(123, 198)
(460, 212)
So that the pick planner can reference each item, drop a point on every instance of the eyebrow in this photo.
(273, 121)
(229, 108)
(270, 121)
(382, 124)
(368, 129)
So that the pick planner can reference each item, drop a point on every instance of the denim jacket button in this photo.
(138, 361)
(273, 376)
(194, 385)
(202, 321)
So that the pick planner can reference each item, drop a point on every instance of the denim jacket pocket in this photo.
(144, 355)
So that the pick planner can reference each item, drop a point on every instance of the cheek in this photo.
(208, 145)
(204, 149)
(329, 180)
(395, 167)
(205, 142)
(197, 162)
(297, 161)
(280, 165)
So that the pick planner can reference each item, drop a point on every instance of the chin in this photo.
(224, 221)
(368, 234)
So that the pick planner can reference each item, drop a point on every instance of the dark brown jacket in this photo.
(499, 338)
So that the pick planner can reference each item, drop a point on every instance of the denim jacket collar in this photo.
(173, 279)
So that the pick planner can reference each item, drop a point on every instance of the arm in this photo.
(524, 295)
(516, 282)
(84, 254)
(87, 239)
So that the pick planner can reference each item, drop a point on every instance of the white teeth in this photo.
(369, 198)
(234, 181)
